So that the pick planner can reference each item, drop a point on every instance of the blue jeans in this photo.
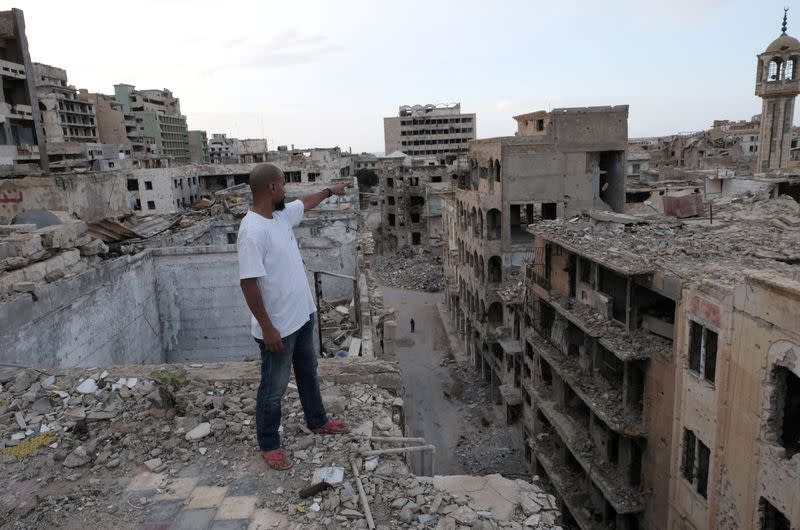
(298, 351)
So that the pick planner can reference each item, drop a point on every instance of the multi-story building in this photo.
(116, 126)
(198, 147)
(319, 164)
(158, 116)
(441, 131)
(656, 382)
(65, 117)
(221, 149)
(404, 214)
(576, 162)
(21, 137)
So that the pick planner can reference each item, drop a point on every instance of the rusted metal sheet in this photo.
(683, 205)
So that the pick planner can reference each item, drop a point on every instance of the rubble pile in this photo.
(338, 321)
(31, 256)
(86, 448)
(747, 231)
(408, 269)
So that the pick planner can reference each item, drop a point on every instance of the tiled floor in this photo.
(184, 504)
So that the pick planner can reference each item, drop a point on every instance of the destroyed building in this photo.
(404, 214)
(221, 149)
(21, 137)
(441, 131)
(158, 116)
(65, 118)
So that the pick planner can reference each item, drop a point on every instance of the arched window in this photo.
(497, 171)
(493, 224)
(495, 269)
(789, 72)
(775, 70)
(474, 222)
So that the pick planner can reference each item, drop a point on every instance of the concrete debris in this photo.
(409, 269)
(30, 257)
(131, 463)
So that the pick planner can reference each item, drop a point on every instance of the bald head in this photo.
(262, 176)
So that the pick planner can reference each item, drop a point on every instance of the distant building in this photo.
(221, 149)
(65, 117)
(21, 136)
(429, 130)
(251, 150)
(198, 147)
(158, 116)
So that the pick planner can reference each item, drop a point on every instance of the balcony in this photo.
(623, 498)
(13, 70)
(603, 399)
(21, 112)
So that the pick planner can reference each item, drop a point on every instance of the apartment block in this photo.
(404, 198)
(21, 137)
(441, 131)
(221, 149)
(115, 125)
(251, 150)
(158, 116)
(65, 117)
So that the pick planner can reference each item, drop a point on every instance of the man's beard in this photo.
(281, 205)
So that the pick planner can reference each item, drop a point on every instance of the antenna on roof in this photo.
(783, 27)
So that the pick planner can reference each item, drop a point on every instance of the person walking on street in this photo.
(273, 280)
(411, 324)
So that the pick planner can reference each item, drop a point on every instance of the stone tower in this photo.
(777, 84)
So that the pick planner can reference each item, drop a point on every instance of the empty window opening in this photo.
(695, 462)
(495, 313)
(414, 217)
(312, 177)
(495, 270)
(390, 198)
(133, 185)
(770, 518)
(653, 312)
(148, 184)
(702, 351)
(293, 176)
(615, 286)
(231, 238)
(151, 205)
(576, 408)
(540, 125)
(391, 219)
(436, 178)
(610, 169)
(493, 224)
(585, 268)
(520, 219)
(390, 182)
(609, 366)
(784, 421)
(416, 238)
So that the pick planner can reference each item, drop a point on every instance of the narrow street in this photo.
(429, 413)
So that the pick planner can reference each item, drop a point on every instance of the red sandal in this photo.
(332, 427)
(277, 459)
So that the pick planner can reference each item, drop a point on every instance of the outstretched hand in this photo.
(339, 189)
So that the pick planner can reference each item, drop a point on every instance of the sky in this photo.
(320, 73)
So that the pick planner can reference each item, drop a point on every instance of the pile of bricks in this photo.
(30, 256)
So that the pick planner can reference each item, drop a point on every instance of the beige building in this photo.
(441, 131)
(65, 117)
(251, 150)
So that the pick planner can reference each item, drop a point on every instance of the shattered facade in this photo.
(441, 131)
(65, 118)
(198, 147)
(221, 149)
(404, 211)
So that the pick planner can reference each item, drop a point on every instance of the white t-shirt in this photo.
(268, 251)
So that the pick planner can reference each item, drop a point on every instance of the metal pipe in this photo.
(362, 494)
(388, 438)
(392, 450)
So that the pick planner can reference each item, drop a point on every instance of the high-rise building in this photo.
(158, 116)
(429, 130)
(65, 117)
(21, 130)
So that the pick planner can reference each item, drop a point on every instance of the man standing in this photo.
(274, 283)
